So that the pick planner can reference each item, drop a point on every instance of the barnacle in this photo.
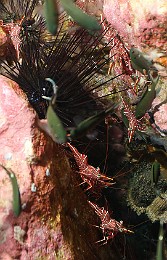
(141, 192)
(142, 196)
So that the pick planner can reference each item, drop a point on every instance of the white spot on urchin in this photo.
(33, 187)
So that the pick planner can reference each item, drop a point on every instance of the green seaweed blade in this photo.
(86, 21)
(51, 15)
(16, 192)
(159, 253)
(55, 125)
(90, 123)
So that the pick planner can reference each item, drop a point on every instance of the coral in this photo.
(135, 21)
(141, 193)
(160, 117)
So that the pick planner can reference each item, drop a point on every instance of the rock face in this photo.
(137, 21)
(56, 219)
(161, 118)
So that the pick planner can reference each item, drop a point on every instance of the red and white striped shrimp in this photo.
(89, 174)
(109, 226)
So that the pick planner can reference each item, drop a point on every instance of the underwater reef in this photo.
(83, 129)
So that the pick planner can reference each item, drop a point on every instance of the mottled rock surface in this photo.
(138, 22)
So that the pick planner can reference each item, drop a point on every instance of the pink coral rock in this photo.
(138, 21)
(161, 117)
